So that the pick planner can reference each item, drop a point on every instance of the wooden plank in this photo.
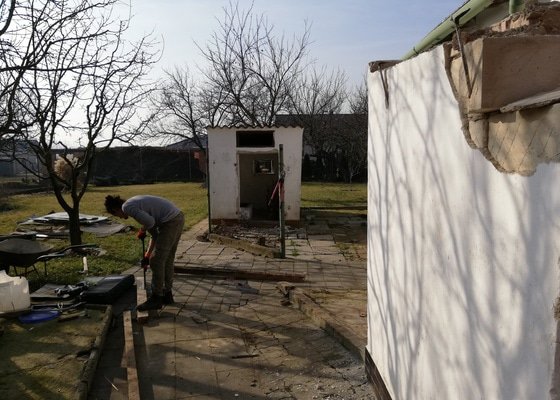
(141, 316)
(130, 358)
(240, 274)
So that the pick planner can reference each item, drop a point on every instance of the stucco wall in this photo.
(462, 259)
(224, 171)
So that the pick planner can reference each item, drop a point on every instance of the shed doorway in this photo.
(258, 173)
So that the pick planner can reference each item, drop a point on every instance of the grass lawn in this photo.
(319, 194)
(123, 250)
(26, 374)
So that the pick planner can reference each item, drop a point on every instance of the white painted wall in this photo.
(462, 260)
(224, 172)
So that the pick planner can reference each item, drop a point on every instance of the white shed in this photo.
(244, 172)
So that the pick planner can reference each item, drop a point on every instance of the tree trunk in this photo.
(74, 226)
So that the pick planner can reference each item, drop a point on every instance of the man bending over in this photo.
(164, 222)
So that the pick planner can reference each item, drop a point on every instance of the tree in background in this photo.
(184, 108)
(249, 75)
(83, 84)
(252, 66)
(7, 8)
(337, 141)
(313, 101)
(252, 76)
(353, 138)
(13, 62)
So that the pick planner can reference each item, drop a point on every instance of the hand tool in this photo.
(144, 265)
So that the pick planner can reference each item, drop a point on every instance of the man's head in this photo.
(113, 204)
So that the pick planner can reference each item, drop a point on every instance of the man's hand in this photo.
(145, 262)
(141, 234)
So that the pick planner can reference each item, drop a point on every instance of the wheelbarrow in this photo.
(23, 253)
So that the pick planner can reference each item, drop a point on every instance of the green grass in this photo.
(319, 194)
(123, 250)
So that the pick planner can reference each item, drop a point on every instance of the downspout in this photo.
(464, 14)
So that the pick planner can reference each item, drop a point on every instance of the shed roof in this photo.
(276, 125)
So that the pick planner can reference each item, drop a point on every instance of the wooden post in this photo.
(281, 176)
(207, 154)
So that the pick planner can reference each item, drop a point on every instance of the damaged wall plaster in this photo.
(515, 59)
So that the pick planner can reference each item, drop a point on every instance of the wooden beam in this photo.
(240, 274)
(130, 358)
(141, 316)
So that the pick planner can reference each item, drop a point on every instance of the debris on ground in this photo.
(267, 236)
(55, 225)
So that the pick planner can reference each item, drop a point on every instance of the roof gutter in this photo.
(464, 14)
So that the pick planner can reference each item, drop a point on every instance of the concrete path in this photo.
(228, 338)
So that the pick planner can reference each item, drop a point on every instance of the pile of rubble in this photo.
(268, 236)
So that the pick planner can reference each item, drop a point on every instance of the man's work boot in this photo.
(154, 302)
(168, 297)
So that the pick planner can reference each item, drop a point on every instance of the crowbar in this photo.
(144, 267)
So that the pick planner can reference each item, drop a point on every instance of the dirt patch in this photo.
(48, 360)
(258, 235)
(347, 225)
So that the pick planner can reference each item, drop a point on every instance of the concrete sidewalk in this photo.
(228, 338)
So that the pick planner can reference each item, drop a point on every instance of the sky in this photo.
(344, 34)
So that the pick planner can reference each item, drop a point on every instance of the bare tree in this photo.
(251, 67)
(11, 68)
(337, 140)
(318, 92)
(357, 100)
(254, 75)
(352, 142)
(82, 88)
(313, 102)
(185, 108)
(7, 8)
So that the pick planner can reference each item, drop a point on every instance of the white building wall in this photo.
(292, 139)
(224, 172)
(462, 259)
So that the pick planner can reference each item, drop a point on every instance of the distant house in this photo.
(463, 208)
(193, 148)
(189, 144)
(17, 159)
(334, 145)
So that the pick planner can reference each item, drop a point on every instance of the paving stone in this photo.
(217, 342)
(239, 384)
(189, 388)
(322, 237)
(164, 334)
(208, 258)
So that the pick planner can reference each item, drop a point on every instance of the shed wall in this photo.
(224, 170)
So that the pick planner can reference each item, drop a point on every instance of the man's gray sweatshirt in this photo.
(150, 211)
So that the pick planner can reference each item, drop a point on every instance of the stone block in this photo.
(506, 69)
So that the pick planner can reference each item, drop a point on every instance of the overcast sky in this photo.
(345, 34)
